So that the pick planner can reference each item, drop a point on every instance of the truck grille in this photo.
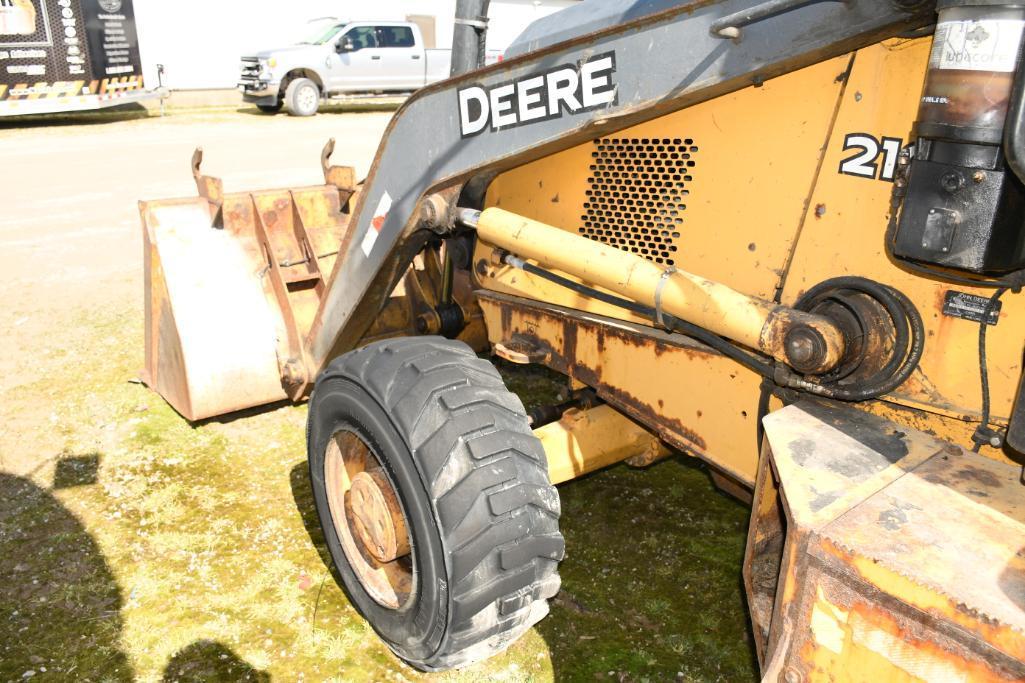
(636, 194)
(250, 69)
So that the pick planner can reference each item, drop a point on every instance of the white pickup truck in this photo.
(343, 58)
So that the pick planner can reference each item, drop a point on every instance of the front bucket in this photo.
(233, 283)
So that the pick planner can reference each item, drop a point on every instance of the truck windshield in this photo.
(321, 35)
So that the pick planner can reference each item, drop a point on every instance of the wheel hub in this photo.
(368, 520)
(376, 517)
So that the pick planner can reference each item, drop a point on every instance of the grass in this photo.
(144, 548)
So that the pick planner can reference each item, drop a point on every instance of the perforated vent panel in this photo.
(636, 194)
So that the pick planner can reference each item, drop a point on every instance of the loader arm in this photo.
(626, 73)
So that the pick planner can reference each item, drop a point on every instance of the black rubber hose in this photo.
(908, 344)
(828, 289)
(761, 366)
(909, 338)
(983, 432)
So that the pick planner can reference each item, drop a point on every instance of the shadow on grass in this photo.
(125, 112)
(651, 585)
(207, 661)
(302, 493)
(60, 606)
(228, 418)
(76, 470)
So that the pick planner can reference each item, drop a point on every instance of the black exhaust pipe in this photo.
(471, 28)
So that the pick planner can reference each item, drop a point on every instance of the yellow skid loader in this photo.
(781, 236)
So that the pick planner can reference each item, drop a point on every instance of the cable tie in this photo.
(666, 274)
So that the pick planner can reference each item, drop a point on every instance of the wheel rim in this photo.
(307, 98)
(368, 520)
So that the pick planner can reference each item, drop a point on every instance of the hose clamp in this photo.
(479, 24)
(666, 274)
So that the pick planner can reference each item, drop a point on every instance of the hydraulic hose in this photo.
(908, 344)
(760, 365)
(909, 341)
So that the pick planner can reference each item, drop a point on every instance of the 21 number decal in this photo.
(865, 163)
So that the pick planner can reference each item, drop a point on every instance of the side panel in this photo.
(843, 234)
(744, 188)
(742, 191)
(678, 388)
(762, 208)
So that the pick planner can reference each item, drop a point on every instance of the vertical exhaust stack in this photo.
(469, 35)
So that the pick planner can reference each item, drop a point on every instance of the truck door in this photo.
(356, 63)
(403, 59)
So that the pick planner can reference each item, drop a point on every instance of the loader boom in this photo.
(691, 64)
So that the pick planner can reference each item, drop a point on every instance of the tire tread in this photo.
(487, 477)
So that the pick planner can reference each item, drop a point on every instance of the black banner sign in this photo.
(62, 48)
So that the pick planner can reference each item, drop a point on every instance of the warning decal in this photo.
(376, 223)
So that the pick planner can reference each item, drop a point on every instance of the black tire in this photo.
(271, 108)
(472, 480)
(302, 97)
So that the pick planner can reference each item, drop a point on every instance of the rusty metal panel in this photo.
(903, 557)
(634, 368)
(233, 282)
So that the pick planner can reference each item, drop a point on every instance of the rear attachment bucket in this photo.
(233, 283)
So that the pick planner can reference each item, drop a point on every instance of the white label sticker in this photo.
(987, 45)
(376, 223)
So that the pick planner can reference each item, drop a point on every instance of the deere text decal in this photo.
(568, 89)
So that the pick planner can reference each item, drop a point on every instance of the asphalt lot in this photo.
(70, 227)
(135, 546)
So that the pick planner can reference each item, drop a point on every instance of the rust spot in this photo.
(555, 199)
(506, 318)
(569, 342)
(820, 210)
(667, 427)
(563, 358)
(981, 476)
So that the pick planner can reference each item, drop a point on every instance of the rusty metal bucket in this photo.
(233, 283)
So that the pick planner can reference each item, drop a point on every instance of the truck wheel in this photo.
(434, 498)
(270, 108)
(302, 96)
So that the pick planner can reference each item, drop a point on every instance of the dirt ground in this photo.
(134, 546)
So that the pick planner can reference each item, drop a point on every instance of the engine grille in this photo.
(636, 194)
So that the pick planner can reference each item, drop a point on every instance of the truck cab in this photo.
(341, 58)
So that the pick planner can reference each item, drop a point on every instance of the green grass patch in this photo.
(151, 549)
